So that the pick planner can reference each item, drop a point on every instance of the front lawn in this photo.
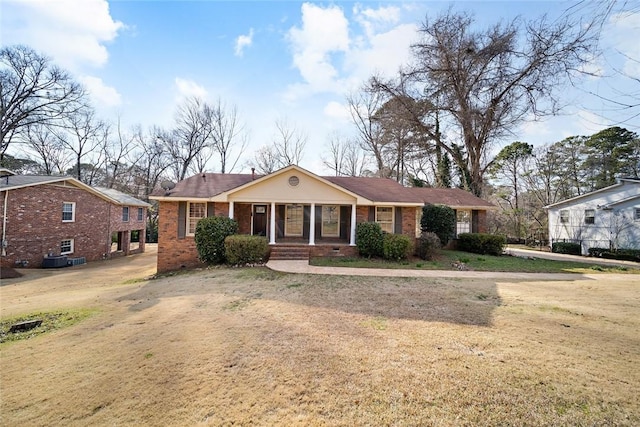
(455, 260)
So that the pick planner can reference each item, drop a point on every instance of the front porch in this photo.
(296, 223)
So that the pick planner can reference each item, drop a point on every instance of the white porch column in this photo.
(352, 241)
(231, 209)
(312, 225)
(272, 224)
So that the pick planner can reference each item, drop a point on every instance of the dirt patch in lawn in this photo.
(252, 346)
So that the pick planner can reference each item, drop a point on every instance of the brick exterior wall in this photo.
(35, 227)
(242, 214)
(174, 253)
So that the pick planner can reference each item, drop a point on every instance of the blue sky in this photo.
(275, 60)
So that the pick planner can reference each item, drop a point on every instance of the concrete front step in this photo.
(289, 253)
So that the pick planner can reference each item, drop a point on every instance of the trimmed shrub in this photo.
(481, 243)
(597, 252)
(210, 235)
(566, 248)
(397, 246)
(427, 245)
(241, 249)
(439, 219)
(369, 239)
(623, 255)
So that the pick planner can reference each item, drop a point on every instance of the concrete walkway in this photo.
(305, 268)
(527, 253)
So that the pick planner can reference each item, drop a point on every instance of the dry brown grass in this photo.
(239, 347)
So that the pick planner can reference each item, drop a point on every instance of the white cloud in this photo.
(73, 32)
(324, 31)
(333, 57)
(100, 93)
(338, 111)
(242, 42)
(188, 88)
(623, 34)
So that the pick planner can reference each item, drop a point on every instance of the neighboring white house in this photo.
(605, 218)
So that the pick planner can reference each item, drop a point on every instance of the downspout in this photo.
(4, 224)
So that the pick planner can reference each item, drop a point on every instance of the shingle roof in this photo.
(377, 190)
(205, 185)
(374, 189)
(19, 181)
(122, 198)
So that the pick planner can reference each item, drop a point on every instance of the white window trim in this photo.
(140, 214)
(560, 216)
(464, 226)
(73, 211)
(337, 234)
(188, 217)
(636, 214)
(287, 232)
(393, 218)
(71, 245)
(128, 213)
(585, 217)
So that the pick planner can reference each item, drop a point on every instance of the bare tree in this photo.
(344, 157)
(363, 106)
(227, 135)
(85, 136)
(50, 153)
(266, 160)
(118, 159)
(190, 137)
(288, 143)
(488, 82)
(32, 90)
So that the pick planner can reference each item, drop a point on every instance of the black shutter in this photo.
(474, 221)
(306, 213)
(372, 213)
(318, 222)
(345, 222)
(182, 219)
(211, 211)
(398, 221)
(280, 220)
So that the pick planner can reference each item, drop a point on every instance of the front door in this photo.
(259, 220)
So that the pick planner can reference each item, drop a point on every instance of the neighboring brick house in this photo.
(295, 206)
(46, 216)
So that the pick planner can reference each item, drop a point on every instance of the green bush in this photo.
(397, 246)
(243, 249)
(597, 252)
(210, 235)
(439, 219)
(623, 254)
(427, 245)
(369, 239)
(481, 243)
(566, 248)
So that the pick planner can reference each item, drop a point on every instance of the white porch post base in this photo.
(312, 225)
(352, 240)
(272, 224)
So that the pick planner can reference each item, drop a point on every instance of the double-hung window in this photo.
(564, 216)
(589, 216)
(195, 212)
(636, 214)
(68, 211)
(66, 247)
(125, 214)
(384, 217)
(330, 221)
(463, 222)
(140, 214)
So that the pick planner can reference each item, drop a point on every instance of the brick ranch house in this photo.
(293, 206)
(55, 216)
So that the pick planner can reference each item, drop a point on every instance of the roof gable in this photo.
(624, 186)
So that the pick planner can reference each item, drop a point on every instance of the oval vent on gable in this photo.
(294, 181)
